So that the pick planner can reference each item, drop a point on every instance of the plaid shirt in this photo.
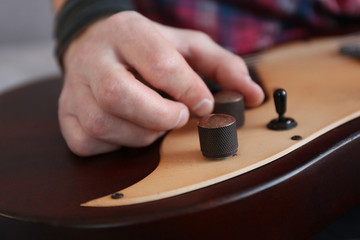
(245, 26)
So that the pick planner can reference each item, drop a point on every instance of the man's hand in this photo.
(105, 104)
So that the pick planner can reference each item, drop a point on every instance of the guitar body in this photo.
(43, 185)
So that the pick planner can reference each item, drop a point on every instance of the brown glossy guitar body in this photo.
(42, 185)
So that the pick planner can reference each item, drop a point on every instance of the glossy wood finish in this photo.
(42, 185)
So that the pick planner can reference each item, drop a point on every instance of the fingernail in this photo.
(248, 78)
(183, 118)
(162, 134)
(205, 106)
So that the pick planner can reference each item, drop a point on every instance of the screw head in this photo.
(296, 137)
(117, 196)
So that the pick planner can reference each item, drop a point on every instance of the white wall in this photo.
(26, 42)
(25, 20)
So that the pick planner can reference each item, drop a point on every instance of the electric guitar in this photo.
(280, 185)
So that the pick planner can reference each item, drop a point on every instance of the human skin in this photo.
(105, 104)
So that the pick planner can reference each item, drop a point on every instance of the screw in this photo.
(117, 196)
(296, 137)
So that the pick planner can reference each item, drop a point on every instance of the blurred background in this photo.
(26, 42)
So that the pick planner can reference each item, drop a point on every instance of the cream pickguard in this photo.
(323, 89)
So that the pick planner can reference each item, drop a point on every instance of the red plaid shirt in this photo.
(245, 26)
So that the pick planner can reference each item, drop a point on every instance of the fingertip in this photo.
(183, 118)
(255, 95)
(204, 106)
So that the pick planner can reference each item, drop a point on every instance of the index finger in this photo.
(218, 64)
(161, 65)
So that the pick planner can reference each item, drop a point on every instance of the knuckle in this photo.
(185, 92)
(96, 125)
(162, 63)
(164, 67)
(199, 36)
(79, 145)
(108, 93)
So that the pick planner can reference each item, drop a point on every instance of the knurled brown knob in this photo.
(231, 103)
(218, 135)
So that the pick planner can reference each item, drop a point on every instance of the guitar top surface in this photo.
(42, 181)
(323, 89)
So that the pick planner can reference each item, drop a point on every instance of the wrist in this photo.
(57, 5)
(76, 15)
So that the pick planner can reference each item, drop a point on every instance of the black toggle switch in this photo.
(282, 122)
